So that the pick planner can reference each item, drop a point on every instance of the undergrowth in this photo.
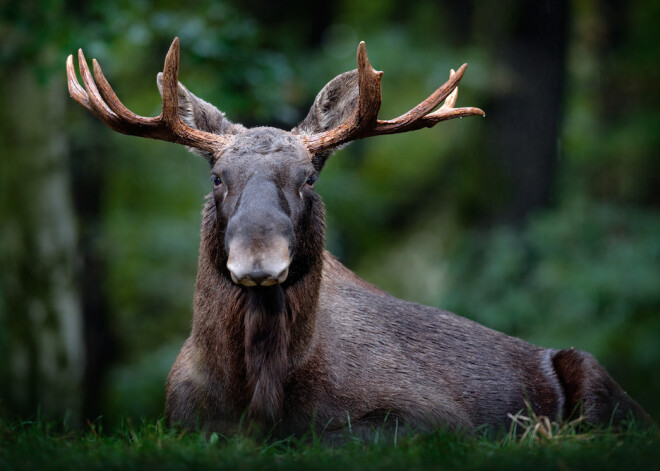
(532, 443)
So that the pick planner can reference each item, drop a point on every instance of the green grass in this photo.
(537, 445)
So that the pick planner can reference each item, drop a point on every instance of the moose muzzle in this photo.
(260, 238)
(265, 265)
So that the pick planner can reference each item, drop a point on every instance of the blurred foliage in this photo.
(613, 106)
(415, 213)
(589, 270)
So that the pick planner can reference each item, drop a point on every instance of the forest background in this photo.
(541, 220)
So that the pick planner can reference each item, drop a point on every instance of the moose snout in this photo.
(264, 266)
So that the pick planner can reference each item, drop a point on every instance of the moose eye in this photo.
(216, 180)
(311, 180)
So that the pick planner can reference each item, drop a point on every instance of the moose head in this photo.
(263, 178)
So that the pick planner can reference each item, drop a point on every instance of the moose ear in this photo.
(199, 114)
(333, 105)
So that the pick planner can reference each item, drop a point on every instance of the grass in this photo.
(533, 443)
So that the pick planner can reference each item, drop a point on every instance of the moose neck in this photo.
(251, 338)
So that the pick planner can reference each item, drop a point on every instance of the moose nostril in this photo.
(281, 276)
(260, 278)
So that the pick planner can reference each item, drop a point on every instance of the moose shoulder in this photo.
(283, 332)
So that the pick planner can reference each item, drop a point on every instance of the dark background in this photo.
(541, 220)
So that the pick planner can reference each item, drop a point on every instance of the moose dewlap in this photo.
(287, 338)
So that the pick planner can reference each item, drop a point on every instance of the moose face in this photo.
(263, 188)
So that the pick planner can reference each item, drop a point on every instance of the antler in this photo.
(364, 121)
(103, 103)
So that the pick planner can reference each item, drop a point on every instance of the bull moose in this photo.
(285, 336)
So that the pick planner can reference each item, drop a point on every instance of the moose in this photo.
(287, 338)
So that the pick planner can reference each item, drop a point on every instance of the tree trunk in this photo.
(528, 42)
(40, 309)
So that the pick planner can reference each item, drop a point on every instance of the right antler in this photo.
(107, 107)
(364, 121)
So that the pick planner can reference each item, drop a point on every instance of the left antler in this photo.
(99, 98)
(364, 121)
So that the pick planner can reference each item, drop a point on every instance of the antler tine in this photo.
(77, 92)
(115, 104)
(450, 101)
(370, 96)
(364, 121)
(100, 99)
(95, 99)
(170, 112)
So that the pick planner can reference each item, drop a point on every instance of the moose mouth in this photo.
(259, 278)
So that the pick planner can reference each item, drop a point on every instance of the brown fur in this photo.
(267, 336)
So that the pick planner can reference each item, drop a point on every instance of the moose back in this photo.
(286, 337)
